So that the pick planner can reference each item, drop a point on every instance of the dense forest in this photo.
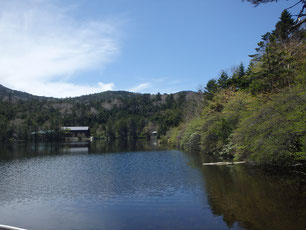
(256, 113)
(109, 115)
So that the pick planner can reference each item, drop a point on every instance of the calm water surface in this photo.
(140, 186)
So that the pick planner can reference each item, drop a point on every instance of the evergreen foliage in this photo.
(110, 115)
(256, 114)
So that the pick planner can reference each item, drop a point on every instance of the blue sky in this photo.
(67, 48)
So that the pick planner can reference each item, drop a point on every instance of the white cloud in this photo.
(42, 46)
(140, 87)
(67, 89)
(161, 85)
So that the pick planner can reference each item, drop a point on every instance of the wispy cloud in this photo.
(140, 87)
(162, 85)
(67, 89)
(42, 46)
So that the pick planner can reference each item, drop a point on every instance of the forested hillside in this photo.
(110, 115)
(256, 113)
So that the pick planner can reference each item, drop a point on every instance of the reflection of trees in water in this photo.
(255, 200)
(125, 175)
(123, 146)
(18, 150)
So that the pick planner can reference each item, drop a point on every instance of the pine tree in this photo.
(223, 80)
(210, 89)
(284, 28)
(276, 57)
(241, 70)
(158, 97)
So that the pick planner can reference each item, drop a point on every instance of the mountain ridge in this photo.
(7, 93)
(110, 114)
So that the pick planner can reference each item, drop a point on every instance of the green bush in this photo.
(274, 133)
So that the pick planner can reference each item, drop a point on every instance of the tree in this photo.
(299, 21)
(223, 80)
(241, 70)
(158, 97)
(210, 89)
(110, 134)
(122, 129)
(169, 119)
(284, 28)
(274, 132)
(276, 57)
(170, 101)
(237, 81)
(3, 127)
(132, 128)
(181, 99)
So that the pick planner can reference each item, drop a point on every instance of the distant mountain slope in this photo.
(104, 96)
(6, 93)
(110, 114)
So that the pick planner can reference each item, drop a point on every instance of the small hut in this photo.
(77, 131)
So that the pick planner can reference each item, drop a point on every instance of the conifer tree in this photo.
(284, 28)
(210, 89)
(241, 70)
(223, 80)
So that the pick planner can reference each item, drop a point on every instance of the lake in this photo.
(102, 185)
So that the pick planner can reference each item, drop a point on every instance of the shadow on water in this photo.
(254, 198)
(17, 150)
(124, 146)
(22, 150)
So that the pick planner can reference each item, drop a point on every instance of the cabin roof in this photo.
(76, 128)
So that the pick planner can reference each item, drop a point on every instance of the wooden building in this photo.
(77, 131)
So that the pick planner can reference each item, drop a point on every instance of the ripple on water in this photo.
(71, 188)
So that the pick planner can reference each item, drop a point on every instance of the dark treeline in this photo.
(256, 112)
(110, 115)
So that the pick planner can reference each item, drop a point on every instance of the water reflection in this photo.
(124, 146)
(124, 185)
(254, 199)
(11, 151)
(101, 186)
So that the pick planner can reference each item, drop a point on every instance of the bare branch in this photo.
(294, 5)
(257, 2)
(300, 23)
